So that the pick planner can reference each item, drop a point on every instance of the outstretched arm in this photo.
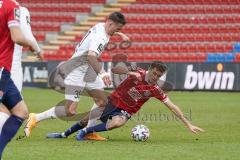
(177, 111)
(124, 70)
(123, 36)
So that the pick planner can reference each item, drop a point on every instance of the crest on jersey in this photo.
(17, 13)
(100, 48)
(147, 93)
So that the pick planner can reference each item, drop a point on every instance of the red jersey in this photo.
(9, 16)
(131, 94)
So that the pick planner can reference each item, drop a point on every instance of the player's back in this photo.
(9, 16)
(132, 93)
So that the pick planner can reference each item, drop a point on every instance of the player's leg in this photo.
(74, 128)
(13, 101)
(118, 118)
(115, 122)
(65, 108)
(77, 126)
(4, 115)
(80, 125)
(96, 91)
(17, 77)
(93, 118)
(100, 101)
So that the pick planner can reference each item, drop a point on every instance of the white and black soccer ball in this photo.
(140, 133)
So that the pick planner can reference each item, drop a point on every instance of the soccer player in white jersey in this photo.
(16, 70)
(90, 48)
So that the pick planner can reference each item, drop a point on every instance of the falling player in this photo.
(127, 99)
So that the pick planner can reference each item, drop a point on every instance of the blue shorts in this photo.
(111, 111)
(9, 94)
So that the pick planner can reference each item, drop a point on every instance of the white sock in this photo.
(53, 112)
(3, 118)
(46, 115)
(94, 115)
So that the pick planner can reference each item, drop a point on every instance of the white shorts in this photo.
(17, 77)
(80, 79)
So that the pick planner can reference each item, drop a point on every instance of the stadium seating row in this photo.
(232, 37)
(62, 1)
(174, 29)
(169, 57)
(52, 17)
(168, 30)
(166, 48)
(182, 19)
(189, 2)
(153, 9)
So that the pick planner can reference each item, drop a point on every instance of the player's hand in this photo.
(195, 129)
(125, 38)
(135, 74)
(40, 56)
(106, 79)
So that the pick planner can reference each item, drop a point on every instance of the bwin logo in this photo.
(209, 80)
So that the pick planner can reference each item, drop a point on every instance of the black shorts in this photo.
(9, 94)
(111, 111)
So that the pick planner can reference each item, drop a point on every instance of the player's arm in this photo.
(177, 111)
(124, 70)
(123, 36)
(93, 61)
(97, 67)
(18, 37)
(27, 30)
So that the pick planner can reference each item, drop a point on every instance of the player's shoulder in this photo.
(10, 4)
(24, 10)
(98, 29)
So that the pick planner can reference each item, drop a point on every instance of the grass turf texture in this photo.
(216, 112)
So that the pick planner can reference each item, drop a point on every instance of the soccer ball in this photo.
(140, 133)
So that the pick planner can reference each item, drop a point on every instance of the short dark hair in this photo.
(117, 17)
(162, 67)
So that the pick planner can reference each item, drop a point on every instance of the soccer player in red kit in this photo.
(129, 97)
(10, 33)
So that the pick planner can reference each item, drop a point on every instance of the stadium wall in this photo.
(181, 76)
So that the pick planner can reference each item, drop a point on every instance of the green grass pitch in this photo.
(216, 112)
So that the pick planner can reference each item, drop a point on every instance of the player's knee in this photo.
(70, 113)
(116, 123)
(71, 108)
(101, 102)
(83, 123)
(4, 109)
(20, 110)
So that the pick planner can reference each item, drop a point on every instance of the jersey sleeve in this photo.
(159, 94)
(13, 14)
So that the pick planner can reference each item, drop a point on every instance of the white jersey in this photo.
(16, 71)
(95, 40)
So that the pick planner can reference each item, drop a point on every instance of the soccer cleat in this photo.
(31, 123)
(94, 136)
(80, 135)
(55, 135)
